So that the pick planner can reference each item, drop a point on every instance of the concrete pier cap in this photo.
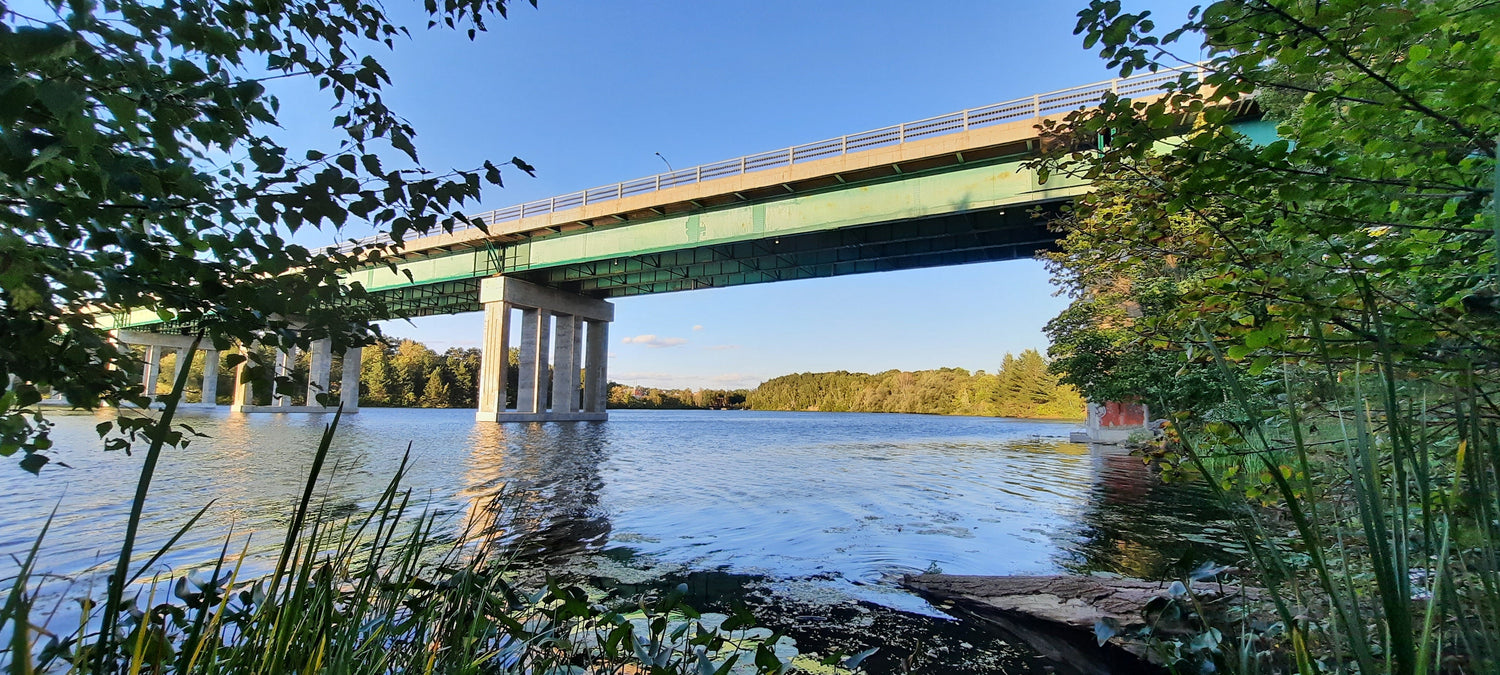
(541, 345)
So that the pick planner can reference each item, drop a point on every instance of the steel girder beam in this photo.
(946, 240)
(449, 297)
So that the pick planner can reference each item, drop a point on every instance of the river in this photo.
(810, 517)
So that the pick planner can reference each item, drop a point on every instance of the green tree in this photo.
(1023, 388)
(1345, 270)
(461, 369)
(1127, 263)
(377, 380)
(141, 171)
(1377, 198)
(435, 392)
(411, 363)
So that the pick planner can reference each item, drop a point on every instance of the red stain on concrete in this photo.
(1117, 414)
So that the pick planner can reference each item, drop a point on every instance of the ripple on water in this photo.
(843, 502)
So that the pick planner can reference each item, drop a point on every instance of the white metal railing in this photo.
(1031, 107)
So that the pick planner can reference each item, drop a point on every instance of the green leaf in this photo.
(44, 43)
(34, 462)
(47, 154)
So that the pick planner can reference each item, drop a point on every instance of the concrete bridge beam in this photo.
(539, 305)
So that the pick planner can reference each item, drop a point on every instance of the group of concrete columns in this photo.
(570, 332)
(541, 308)
(158, 345)
(319, 380)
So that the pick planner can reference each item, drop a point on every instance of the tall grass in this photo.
(1376, 546)
(387, 591)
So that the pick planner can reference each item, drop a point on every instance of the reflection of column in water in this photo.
(1123, 477)
(1138, 526)
(533, 489)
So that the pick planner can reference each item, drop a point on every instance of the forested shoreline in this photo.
(1021, 388)
(411, 375)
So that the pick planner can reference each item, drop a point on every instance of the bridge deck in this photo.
(976, 134)
(941, 191)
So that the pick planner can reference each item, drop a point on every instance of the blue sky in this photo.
(589, 92)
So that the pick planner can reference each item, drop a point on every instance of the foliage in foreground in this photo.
(142, 170)
(382, 592)
(1318, 312)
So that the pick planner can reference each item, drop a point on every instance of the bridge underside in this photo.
(954, 239)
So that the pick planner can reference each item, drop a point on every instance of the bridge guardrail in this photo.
(1031, 107)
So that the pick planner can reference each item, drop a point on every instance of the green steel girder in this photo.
(916, 198)
(996, 234)
(448, 297)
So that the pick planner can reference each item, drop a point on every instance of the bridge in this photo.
(946, 190)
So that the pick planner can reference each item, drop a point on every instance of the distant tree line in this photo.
(1022, 388)
(627, 396)
(412, 375)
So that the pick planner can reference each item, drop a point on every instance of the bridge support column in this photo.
(595, 370)
(210, 389)
(349, 379)
(158, 345)
(566, 355)
(538, 305)
(286, 361)
(154, 355)
(319, 363)
(536, 327)
(243, 394)
(494, 359)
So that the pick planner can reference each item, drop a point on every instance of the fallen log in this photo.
(1057, 615)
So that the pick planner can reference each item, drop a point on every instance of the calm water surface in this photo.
(827, 505)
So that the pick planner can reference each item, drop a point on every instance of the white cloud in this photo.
(737, 380)
(663, 380)
(697, 326)
(654, 341)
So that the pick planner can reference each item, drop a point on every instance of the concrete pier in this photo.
(319, 379)
(349, 379)
(576, 316)
(596, 374)
(158, 345)
(319, 364)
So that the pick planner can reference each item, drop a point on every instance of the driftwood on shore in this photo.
(1056, 614)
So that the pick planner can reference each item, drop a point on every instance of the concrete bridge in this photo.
(946, 190)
